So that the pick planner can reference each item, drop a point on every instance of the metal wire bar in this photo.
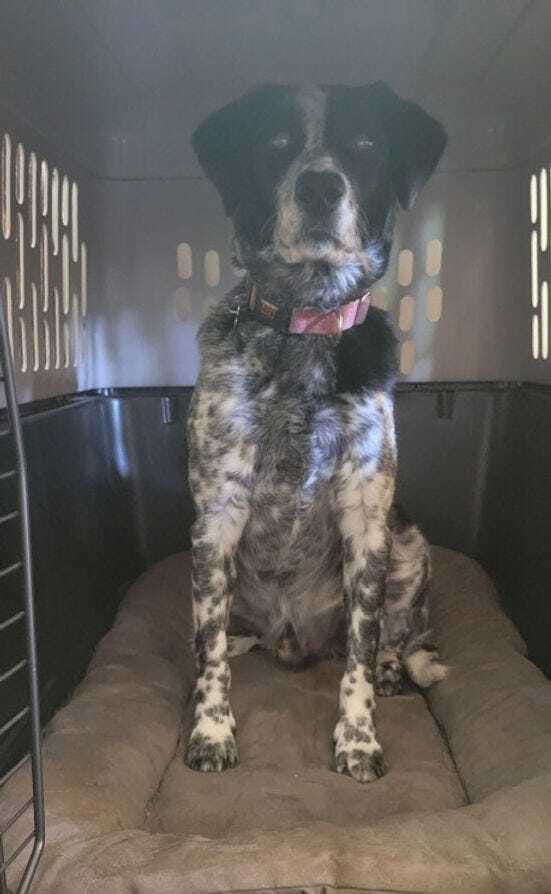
(39, 832)
(5, 476)
(3, 880)
(12, 620)
(13, 670)
(9, 516)
(14, 769)
(9, 569)
(13, 720)
(13, 819)
(17, 851)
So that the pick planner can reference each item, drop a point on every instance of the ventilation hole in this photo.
(54, 201)
(535, 337)
(534, 198)
(44, 267)
(183, 303)
(405, 267)
(23, 338)
(65, 201)
(6, 185)
(8, 302)
(36, 353)
(83, 278)
(65, 272)
(47, 346)
(534, 267)
(407, 357)
(33, 170)
(543, 209)
(76, 331)
(184, 260)
(20, 273)
(434, 257)
(44, 181)
(20, 174)
(57, 330)
(66, 345)
(434, 304)
(212, 268)
(74, 222)
(407, 313)
(544, 321)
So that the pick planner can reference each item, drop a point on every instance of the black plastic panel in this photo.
(109, 497)
(530, 519)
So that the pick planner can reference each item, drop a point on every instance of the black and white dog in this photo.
(292, 445)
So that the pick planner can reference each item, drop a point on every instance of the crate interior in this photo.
(114, 246)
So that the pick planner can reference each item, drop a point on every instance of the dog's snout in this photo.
(319, 191)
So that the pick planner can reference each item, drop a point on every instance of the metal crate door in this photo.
(19, 514)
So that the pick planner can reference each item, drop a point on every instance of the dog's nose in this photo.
(319, 190)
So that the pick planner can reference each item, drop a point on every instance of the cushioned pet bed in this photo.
(465, 806)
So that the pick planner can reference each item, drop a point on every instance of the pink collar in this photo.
(310, 320)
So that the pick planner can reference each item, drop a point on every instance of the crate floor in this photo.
(465, 806)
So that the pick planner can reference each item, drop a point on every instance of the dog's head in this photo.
(313, 177)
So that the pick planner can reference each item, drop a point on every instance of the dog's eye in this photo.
(363, 143)
(280, 141)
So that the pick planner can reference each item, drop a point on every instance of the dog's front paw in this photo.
(212, 748)
(357, 752)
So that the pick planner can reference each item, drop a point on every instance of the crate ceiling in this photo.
(121, 83)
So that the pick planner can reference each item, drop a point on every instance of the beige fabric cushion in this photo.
(125, 814)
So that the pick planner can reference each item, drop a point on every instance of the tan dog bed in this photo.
(466, 805)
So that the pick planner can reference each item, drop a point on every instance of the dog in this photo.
(292, 450)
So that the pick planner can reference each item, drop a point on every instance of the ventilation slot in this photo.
(65, 272)
(544, 199)
(57, 330)
(184, 260)
(434, 257)
(8, 303)
(74, 222)
(20, 174)
(23, 338)
(45, 291)
(535, 337)
(540, 267)
(65, 201)
(83, 278)
(33, 172)
(54, 200)
(36, 352)
(407, 313)
(5, 171)
(44, 181)
(21, 260)
(544, 321)
(405, 267)
(212, 269)
(434, 304)
(44, 268)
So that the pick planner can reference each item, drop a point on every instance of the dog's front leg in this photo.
(365, 487)
(215, 535)
(221, 489)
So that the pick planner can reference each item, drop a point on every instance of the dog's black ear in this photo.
(223, 143)
(416, 142)
(217, 143)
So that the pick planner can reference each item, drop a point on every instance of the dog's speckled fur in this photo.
(292, 444)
